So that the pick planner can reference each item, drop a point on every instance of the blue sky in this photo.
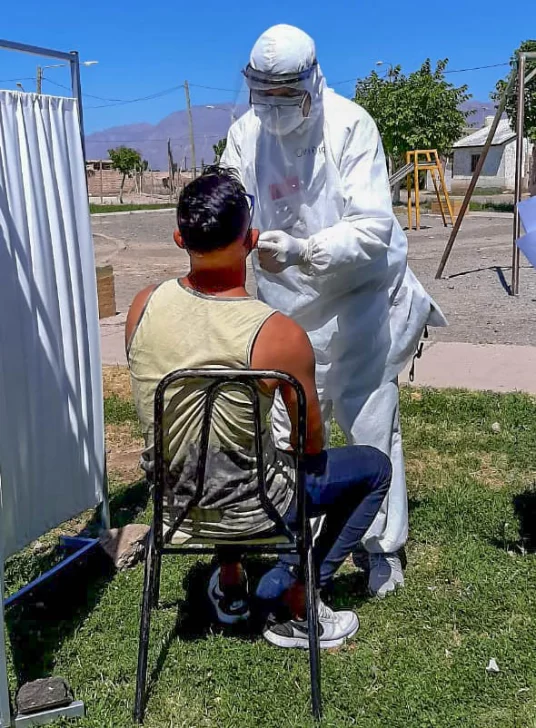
(147, 47)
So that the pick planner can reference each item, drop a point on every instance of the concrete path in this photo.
(113, 340)
(496, 367)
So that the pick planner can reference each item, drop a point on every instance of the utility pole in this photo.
(190, 124)
(171, 166)
(39, 84)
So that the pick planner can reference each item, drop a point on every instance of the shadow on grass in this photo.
(525, 511)
(195, 619)
(525, 508)
(40, 622)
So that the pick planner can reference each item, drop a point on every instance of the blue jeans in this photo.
(347, 485)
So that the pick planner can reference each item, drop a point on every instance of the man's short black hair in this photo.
(213, 210)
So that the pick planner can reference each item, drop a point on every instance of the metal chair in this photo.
(287, 542)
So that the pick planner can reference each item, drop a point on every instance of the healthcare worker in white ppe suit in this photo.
(333, 257)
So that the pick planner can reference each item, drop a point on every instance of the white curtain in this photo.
(51, 418)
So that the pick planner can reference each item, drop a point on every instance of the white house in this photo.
(499, 168)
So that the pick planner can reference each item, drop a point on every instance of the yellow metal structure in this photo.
(427, 160)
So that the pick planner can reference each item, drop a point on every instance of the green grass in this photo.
(419, 659)
(491, 206)
(96, 209)
(118, 410)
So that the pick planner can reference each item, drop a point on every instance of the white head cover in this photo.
(283, 49)
(285, 57)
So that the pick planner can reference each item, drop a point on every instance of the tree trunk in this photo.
(396, 193)
(121, 189)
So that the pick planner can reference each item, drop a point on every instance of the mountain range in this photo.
(210, 123)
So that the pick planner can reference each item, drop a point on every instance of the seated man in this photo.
(208, 319)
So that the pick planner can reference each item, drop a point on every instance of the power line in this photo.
(16, 80)
(340, 83)
(119, 102)
(99, 98)
(150, 139)
(477, 68)
(227, 90)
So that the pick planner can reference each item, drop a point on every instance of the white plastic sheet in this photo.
(51, 418)
(527, 243)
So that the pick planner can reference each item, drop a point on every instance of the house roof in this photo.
(478, 138)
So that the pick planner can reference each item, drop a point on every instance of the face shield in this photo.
(282, 101)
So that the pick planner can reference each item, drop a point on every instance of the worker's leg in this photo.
(374, 420)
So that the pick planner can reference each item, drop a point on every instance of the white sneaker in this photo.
(334, 629)
(386, 574)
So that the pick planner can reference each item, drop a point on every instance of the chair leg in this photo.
(145, 626)
(314, 645)
(156, 579)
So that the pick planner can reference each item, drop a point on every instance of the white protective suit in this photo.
(326, 184)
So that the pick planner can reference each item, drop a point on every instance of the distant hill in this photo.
(210, 125)
(480, 110)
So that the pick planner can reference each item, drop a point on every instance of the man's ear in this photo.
(253, 238)
(177, 237)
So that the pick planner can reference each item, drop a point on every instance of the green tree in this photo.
(417, 111)
(219, 149)
(530, 93)
(127, 161)
(530, 102)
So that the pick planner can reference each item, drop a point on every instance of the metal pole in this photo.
(520, 125)
(474, 180)
(191, 125)
(5, 713)
(417, 200)
(77, 93)
(101, 185)
(39, 83)
(35, 50)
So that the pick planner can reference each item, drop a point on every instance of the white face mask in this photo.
(280, 120)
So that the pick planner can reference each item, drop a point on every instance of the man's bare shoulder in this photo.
(279, 341)
(136, 310)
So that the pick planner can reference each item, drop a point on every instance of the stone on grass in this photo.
(125, 546)
(496, 428)
(492, 667)
(44, 694)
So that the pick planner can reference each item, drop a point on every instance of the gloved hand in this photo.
(278, 250)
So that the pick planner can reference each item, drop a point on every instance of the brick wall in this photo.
(153, 183)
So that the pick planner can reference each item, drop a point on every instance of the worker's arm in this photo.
(135, 312)
(231, 157)
(363, 234)
(283, 345)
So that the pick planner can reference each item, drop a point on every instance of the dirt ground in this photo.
(473, 295)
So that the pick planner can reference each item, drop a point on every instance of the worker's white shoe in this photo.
(386, 574)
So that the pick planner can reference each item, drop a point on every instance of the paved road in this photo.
(473, 296)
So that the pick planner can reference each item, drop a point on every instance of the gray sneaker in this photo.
(386, 574)
(334, 629)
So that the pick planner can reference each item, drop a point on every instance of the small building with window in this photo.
(499, 168)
